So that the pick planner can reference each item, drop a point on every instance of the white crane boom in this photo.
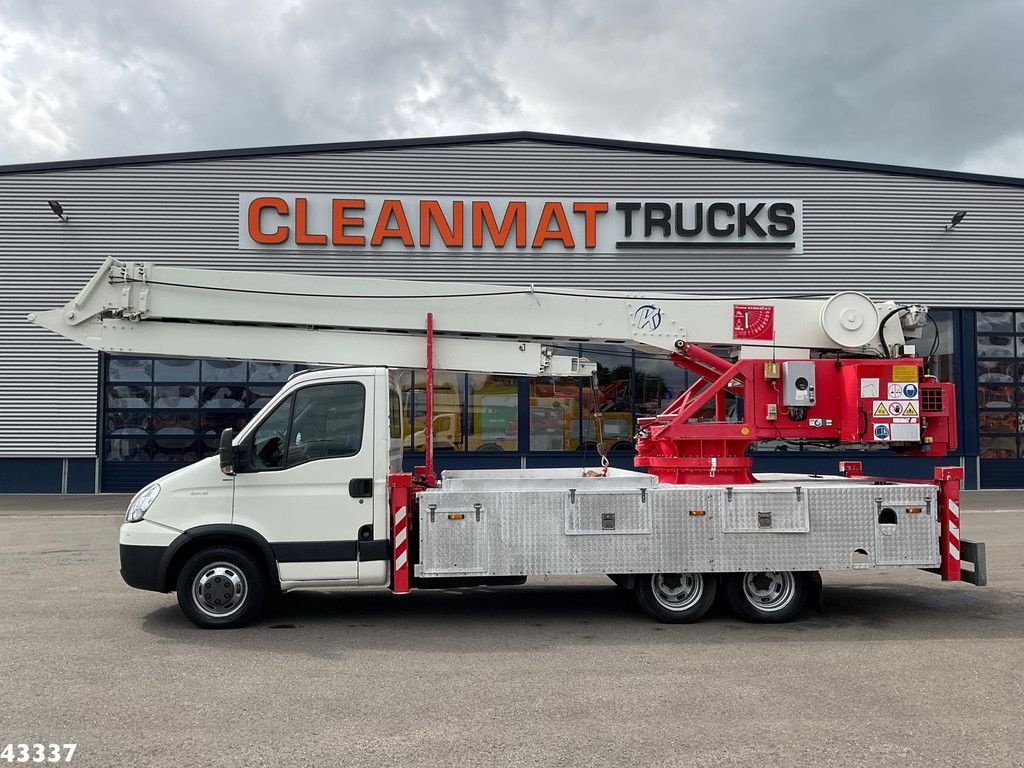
(144, 308)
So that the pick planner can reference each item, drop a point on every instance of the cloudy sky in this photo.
(934, 83)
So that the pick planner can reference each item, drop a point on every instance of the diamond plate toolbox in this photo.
(504, 527)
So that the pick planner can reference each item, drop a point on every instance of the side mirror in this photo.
(227, 451)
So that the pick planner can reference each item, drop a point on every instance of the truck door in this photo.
(310, 488)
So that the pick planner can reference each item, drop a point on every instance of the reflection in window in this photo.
(1000, 399)
(126, 450)
(607, 412)
(493, 413)
(175, 397)
(127, 423)
(448, 389)
(212, 424)
(327, 422)
(270, 372)
(130, 369)
(129, 397)
(554, 414)
(224, 370)
(223, 397)
(174, 369)
(260, 396)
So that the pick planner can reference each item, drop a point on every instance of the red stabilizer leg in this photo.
(401, 497)
(948, 480)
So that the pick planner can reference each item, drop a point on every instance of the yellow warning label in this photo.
(904, 373)
(880, 409)
(909, 410)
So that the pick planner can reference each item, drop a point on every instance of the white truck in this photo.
(311, 493)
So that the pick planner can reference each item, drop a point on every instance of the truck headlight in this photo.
(141, 503)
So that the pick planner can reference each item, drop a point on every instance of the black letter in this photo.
(781, 217)
(663, 220)
(629, 209)
(698, 220)
(713, 229)
(749, 219)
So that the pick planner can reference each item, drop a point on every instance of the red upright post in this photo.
(429, 426)
(948, 480)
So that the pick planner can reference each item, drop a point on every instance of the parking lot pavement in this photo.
(900, 669)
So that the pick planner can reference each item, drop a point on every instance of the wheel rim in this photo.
(769, 590)
(220, 590)
(677, 591)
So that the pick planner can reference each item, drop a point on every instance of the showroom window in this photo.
(1000, 348)
(173, 410)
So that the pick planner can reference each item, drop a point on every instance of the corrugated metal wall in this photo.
(878, 233)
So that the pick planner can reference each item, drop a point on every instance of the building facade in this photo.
(517, 208)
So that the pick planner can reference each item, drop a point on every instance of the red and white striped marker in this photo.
(948, 480)
(400, 485)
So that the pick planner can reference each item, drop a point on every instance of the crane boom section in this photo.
(144, 308)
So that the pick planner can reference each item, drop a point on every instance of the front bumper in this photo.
(140, 566)
(143, 548)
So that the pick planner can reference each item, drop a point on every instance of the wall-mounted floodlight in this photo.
(58, 209)
(957, 218)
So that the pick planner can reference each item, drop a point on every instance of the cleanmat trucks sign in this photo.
(411, 223)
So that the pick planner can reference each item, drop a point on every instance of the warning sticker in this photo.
(904, 373)
(890, 409)
(903, 391)
(754, 321)
(869, 387)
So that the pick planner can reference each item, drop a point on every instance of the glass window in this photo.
(175, 397)
(448, 389)
(212, 424)
(493, 413)
(607, 411)
(129, 397)
(130, 369)
(173, 369)
(224, 370)
(270, 372)
(1000, 398)
(658, 382)
(223, 397)
(327, 422)
(271, 437)
(260, 396)
(122, 423)
(937, 342)
(554, 414)
(126, 450)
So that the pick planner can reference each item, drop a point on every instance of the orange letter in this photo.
(544, 233)
(338, 236)
(430, 211)
(302, 235)
(515, 213)
(590, 211)
(392, 208)
(255, 209)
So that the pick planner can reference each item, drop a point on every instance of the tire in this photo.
(767, 597)
(676, 598)
(221, 588)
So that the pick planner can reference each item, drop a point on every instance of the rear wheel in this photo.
(221, 588)
(676, 598)
(767, 597)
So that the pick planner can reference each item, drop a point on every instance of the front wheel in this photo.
(676, 598)
(767, 597)
(221, 588)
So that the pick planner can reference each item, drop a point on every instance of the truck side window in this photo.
(271, 438)
(327, 422)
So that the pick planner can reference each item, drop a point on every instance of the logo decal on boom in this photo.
(648, 318)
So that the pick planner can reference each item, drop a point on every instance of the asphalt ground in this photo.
(900, 669)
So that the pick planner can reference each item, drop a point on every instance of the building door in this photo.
(1000, 368)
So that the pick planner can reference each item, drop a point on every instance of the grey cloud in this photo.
(916, 83)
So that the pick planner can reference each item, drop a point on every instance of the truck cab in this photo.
(304, 499)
